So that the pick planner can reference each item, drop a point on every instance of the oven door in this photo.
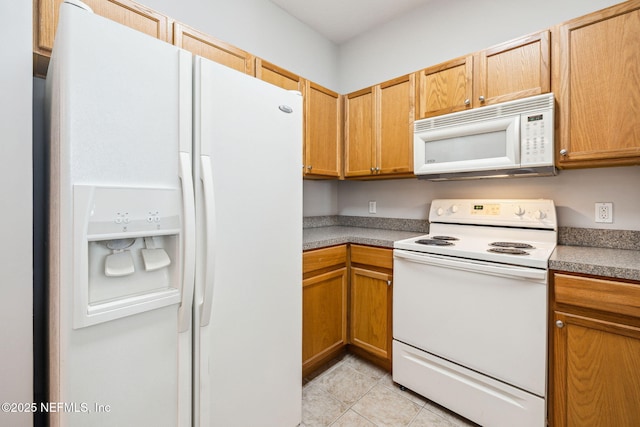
(488, 317)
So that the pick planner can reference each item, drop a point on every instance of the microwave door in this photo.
(482, 146)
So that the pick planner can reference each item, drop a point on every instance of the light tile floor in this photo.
(354, 393)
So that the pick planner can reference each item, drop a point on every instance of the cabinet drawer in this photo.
(378, 257)
(599, 294)
(323, 258)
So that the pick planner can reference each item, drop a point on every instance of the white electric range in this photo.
(470, 309)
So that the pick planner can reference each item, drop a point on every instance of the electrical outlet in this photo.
(372, 206)
(604, 212)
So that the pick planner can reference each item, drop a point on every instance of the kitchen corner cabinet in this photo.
(595, 352)
(512, 70)
(125, 12)
(596, 61)
(323, 135)
(211, 48)
(370, 302)
(324, 305)
(379, 129)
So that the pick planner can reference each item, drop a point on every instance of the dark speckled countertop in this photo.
(320, 237)
(608, 253)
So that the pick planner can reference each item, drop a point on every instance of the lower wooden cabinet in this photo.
(594, 377)
(324, 306)
(370, 303)
(346, 301)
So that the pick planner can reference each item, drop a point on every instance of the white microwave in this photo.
(510, 139)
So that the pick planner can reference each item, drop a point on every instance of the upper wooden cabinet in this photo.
(445, 88)
(596, 75)
(323, 136)
(211, 48)
(379, 129)
(515, 69)
(125, 12)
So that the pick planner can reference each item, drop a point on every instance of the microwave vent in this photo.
(505, 109)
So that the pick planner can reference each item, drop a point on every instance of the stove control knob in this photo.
(439, 211)
(454, 208)
(519, 211)
(539, 215)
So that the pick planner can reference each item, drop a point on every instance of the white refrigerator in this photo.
(175, 236)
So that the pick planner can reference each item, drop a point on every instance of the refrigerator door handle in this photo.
(209, 210)
(189, 263)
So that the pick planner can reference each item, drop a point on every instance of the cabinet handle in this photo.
(563, 152)
(559, 324)
(467, 101)
(481, 98)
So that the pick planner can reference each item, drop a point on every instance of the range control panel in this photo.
(523, 213)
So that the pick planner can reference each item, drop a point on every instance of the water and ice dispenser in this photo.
(127, 246)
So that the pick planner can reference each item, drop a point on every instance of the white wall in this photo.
(573, 191)
(263, 29)
(16, 272)
(445, 29)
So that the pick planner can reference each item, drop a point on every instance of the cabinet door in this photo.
(512, 70)
(324, 316)
(595, 373)
(211, 48)
(396, 102)
(445, 88)
(370, 311)
(125, 12)
(278, 76)
(596, 74)
(359, 133)
(323, 137)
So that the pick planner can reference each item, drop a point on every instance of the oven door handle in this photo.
(534, 274)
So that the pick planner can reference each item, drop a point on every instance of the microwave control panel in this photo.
(536, 140)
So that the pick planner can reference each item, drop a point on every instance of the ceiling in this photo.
(341, 20)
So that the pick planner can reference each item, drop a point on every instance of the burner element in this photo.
(444, 238)
(516, 245)
(510, 251)
(434, 242)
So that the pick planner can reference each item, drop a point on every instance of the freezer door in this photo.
(248, 137)
(121, 226)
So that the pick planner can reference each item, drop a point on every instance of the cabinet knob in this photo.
(309, 167)
(467, 101)
(377, 169)
(559, 324)
(373, 169)
(563, 152)
(481, 98)
(388, 282)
